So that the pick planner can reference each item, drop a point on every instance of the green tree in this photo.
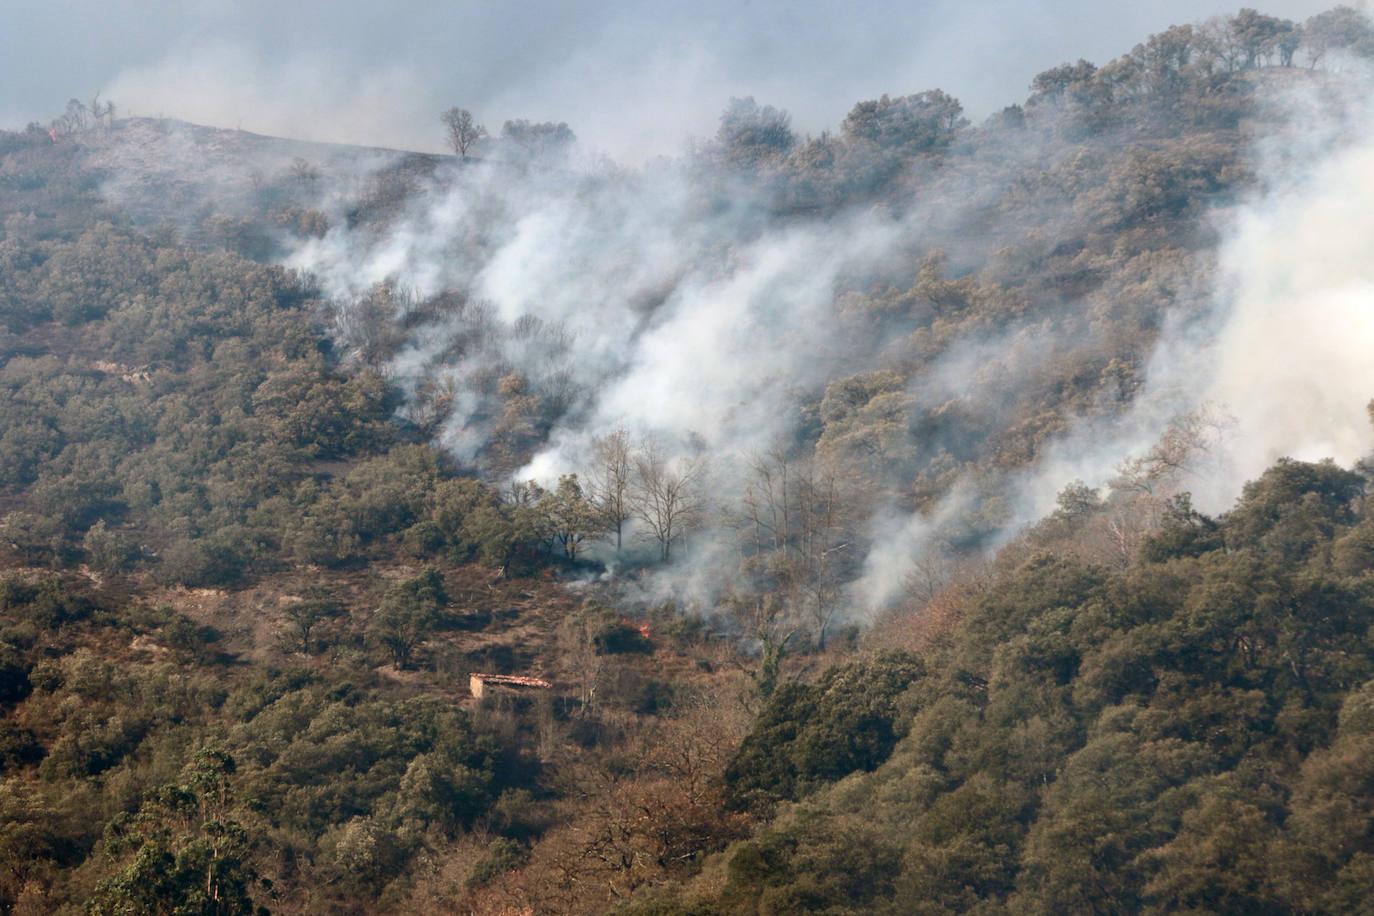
(303, 619)
(751, 134)
(572, 518)
(807, 736)
(818, 863)
(109, 549)
(1259, 37)
(409, 612)
(909, 124)
(1218, 862)
(33, 837)
(867, 423)
(183, 851)
(1340, 29)
(1293, 508)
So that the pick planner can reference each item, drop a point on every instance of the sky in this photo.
(633, 79)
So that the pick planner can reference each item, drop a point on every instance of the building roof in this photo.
(510, 680)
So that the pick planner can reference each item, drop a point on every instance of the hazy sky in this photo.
(631, 78)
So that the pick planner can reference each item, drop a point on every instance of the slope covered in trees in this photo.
(295, 438)
(1178, 735)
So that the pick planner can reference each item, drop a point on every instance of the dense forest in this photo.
(857, 508)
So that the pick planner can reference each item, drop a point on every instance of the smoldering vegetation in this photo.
(948, 323)
(951, 321)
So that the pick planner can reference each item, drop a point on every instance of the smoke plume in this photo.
(673, 302)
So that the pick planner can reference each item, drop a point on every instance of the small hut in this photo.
(478, 684)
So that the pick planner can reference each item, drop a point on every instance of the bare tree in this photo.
(80, 116)
(463, 130)
(101, 111)
(802, 535)
(609, 481)
(665, 494)
(1183, 451)
(824, 543)
(368, 324)
(766, 619)
(931, 570)
(767, 501)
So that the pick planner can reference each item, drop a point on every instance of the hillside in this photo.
(875, 504)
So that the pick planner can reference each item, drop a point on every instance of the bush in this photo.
(502, 856)
(811, 735)
(621, 638)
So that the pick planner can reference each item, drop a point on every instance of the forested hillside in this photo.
(872, 503)
(1182, 735)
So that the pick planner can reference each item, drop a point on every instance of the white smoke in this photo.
(1282, 347)
(1292, 361)
(1277, 360)
(696, 317)
(686, 323)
